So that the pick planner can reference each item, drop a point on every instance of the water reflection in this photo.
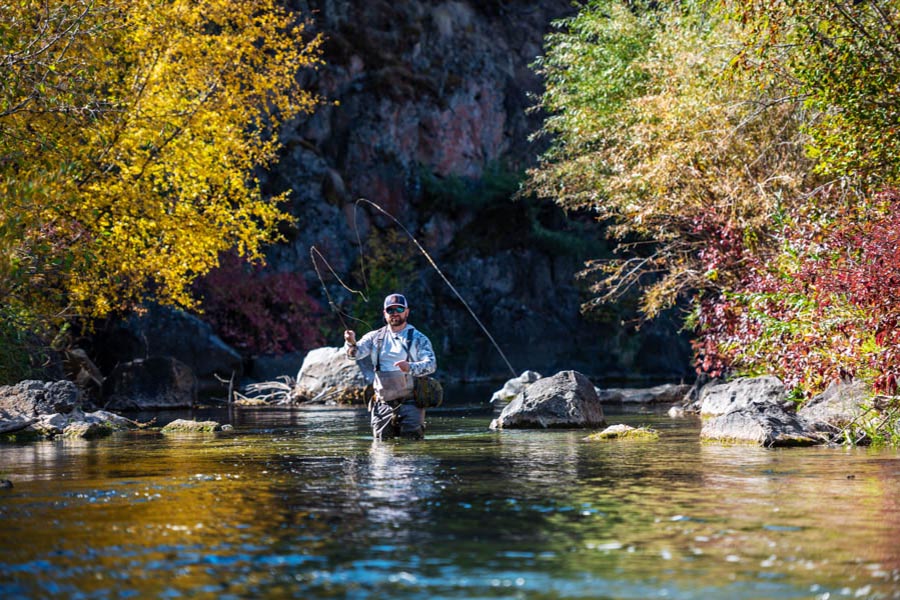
(396, 488)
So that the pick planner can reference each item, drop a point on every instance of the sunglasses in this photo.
(394, 310)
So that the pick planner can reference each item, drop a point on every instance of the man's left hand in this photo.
(402, 365)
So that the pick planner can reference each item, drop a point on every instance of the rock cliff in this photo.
(427, 108)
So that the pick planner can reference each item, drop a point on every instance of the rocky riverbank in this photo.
(746, 410)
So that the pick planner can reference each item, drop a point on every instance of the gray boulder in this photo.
(691, 401)
(160, 382)
(659, 394)
(77, 425)
(743, 392)
(567, 399)
(32, 398)
(327, 375)
(10, 423)
(514, 387)
(752, 410)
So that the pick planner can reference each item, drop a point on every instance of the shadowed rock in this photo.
(155, 383)
(659, 394)
(763, 424)
(32, 398)
(50, 411)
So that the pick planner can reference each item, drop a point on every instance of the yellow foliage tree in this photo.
(129, 132)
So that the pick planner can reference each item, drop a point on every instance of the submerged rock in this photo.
(567, 399)
(678, 411)
(624, 432)
(187, 426)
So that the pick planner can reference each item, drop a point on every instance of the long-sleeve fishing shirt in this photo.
(393, 349)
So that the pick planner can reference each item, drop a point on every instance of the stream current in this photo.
(303, 504)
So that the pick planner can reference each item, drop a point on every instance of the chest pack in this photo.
(427, 391)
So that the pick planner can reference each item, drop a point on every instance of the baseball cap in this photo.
(395, 300)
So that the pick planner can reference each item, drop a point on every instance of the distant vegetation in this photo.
(746, 155)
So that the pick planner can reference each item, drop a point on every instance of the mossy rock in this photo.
(88, 431)
(624, 432)
(186, 426)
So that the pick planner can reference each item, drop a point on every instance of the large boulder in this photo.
(160, 382)
(514, 386)
(327, 375)
(32, 398)
(752, 410)
(659, 394)
(567, 399)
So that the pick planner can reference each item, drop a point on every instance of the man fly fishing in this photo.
(399, 352)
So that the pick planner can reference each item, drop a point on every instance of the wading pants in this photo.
(392, 419)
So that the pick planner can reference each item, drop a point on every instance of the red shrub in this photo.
(260, 312)
(828, 306)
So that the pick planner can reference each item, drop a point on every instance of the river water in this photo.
(302, 504)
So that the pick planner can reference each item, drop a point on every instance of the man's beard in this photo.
(396, 320)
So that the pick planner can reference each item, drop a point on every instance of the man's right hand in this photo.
(350, 337)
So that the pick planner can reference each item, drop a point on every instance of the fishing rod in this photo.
(439, 272)
(314, 252)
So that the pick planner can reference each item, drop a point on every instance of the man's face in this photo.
(396, 315)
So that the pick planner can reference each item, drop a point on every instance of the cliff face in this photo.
(428, 110)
